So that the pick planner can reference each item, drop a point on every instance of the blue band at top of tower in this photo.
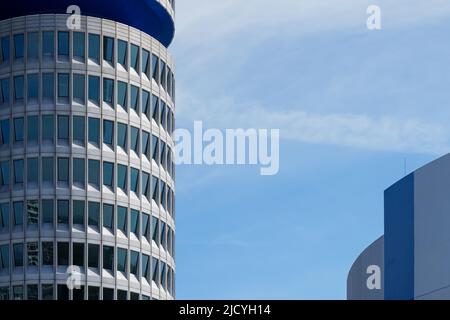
(148, 16)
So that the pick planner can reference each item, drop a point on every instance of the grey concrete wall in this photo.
(357, 278)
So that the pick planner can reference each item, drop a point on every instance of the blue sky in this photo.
(351, 105)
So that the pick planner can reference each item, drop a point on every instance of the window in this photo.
(163, 114)
(94, 131)
(108, 294)
(146, 226)
(18, 213)
(163, 74)
(108, 91)
(146, 185)
(63, 170)
(155, 108)
(4, 132)
(155, 189)
(4, 215)
(94, 214)
(18, 255)
(169, 81)
(32, 45)
(93, 255)
(163, 235)
(5, 49)
(18, 171)
(63, 44)
(145, 103)
(122, 219)
(122, 295)
(79, 172)
(48, 170)
(4, 257)
(18, 130)
(78, 294)
(93, 293)
(78, 212)
(48, 128)
(4, 173)
(94, 173)
(63, 254)
(122, 136)
(63, 85)
(134, 103)
(155, 150)
(78, 88)
(108, 133)
(146, 63)
(33, 212)
(32, 128)
(94, 47)
(48, 86)
(122, 177)
(122, 260)
(155, 230)
(108, 216)
(134, 263)
(18, 293)
(78, 130)
(145, 266)
(163, 154)
(163, 274)
(155, 68)
(32, 254)
(134, 221)
(108, 258)
(32, 170)
(94, 89)
(108, 49)
(63, 129)
(32, 292)
(48, 44)
(33, 87)
(63, 211)
(18, 89)
(19, 46)
(135, 140)
(134, 184)
(108, 174)
(47, 211)
(122, 89)
(135, 57)
(155, 271)
(47, 291)
(63, 292)
(122, 49)
(146, 144)
(78, 254)
(79, 46)
(163, 195)
(4, 91)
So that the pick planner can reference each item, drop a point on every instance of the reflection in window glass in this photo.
(4, 215)
(134, 222)
(134, 104)
(48, 44)
(155, 271)
(122, 177)
(32, 170)
(18, 88)
(94, 89)
(63, 211)
(93, 255)
(94, 172)
(32, 292)
(78, 212)
(122, 48)
(155, 189)
(4, 132)
(63, 44)
(108, 257)
(32, 45)
(4, 90)
(78, 130)
(122, 136)
(134, 184)
(48, 170)
(47, 211)
(4, 173)
(94, 214)
(18, 255)
(48, 86)
(4, 257)
(18, 213)
(122, 219)
(48, 128)
(155, 68)
(63, 170)
(78, 254)
(135, 140)
(94, 131)
(47, 292)
(108, 90)
(134, 263)
(135, 57)
(108, 216)
(163, 74)
(18, 171)
(78, 45)
(63, 129)
(18, 130)
(18, 293)
(146, 226)
(146, 103)
(19, 46)
(79, 172)
(146, 62)
(63, 254)
(108, 174)
(108, 49)
(146, 185)
(146, 144)
(94, 47)
(32, 254)
(63, 85)
(145, 266)
(122, 260)
(78, 88)
(33, 86)
(122, 88)
(5, 49)
(108, 132)
(32, 128)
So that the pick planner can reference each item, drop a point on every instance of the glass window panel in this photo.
(78, 88)
(155, 271)
(163, 74)
(135, 140)
(78, 254)
(4, 215)
(122, 136)
(94, 89)
(63, 43)
(4, 87)
(134, 222)
(94, 130)
(32, 128)
(134, 263)
(145, 103)
(4, 256)
(108, 258)
(6, 47)
(122, 219)
(79, 130)
(145, 185)
(94, 172)
(47, 211)
(19, 42)
(122, 48)
(32, 254)
(145, 62)
(79, 45)
(155, 148)
(18, 171)
(108, 174)
(155, 108)
(94, 214)
(63, 292)
(108, 294)
(32, 45)
(63, 211)
(33, 86)
(48, 86)
(134, 98)
(108, 49)
(47, 292)
(122, 177)
(18, 130)
(63, 128)
(108, 91)
(63, 170)
(78, 212)
(108, 216)
(108, 132)
(155, 230)
(155, 68)
(18, 255)
(63, 85)
(134, 180)
(94, 47)
(4, 132)
(48, 170)
(32, 170)
(145, 266)
(135, 57)
(48, 44)
(63, 254)
(18, 293)
(122, 89)
(146, 144)
(4, 166)
(122, 260)
(18, 88)
(93, 255)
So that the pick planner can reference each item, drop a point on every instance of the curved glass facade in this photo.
(86, 161)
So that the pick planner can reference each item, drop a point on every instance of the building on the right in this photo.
(413, 256)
